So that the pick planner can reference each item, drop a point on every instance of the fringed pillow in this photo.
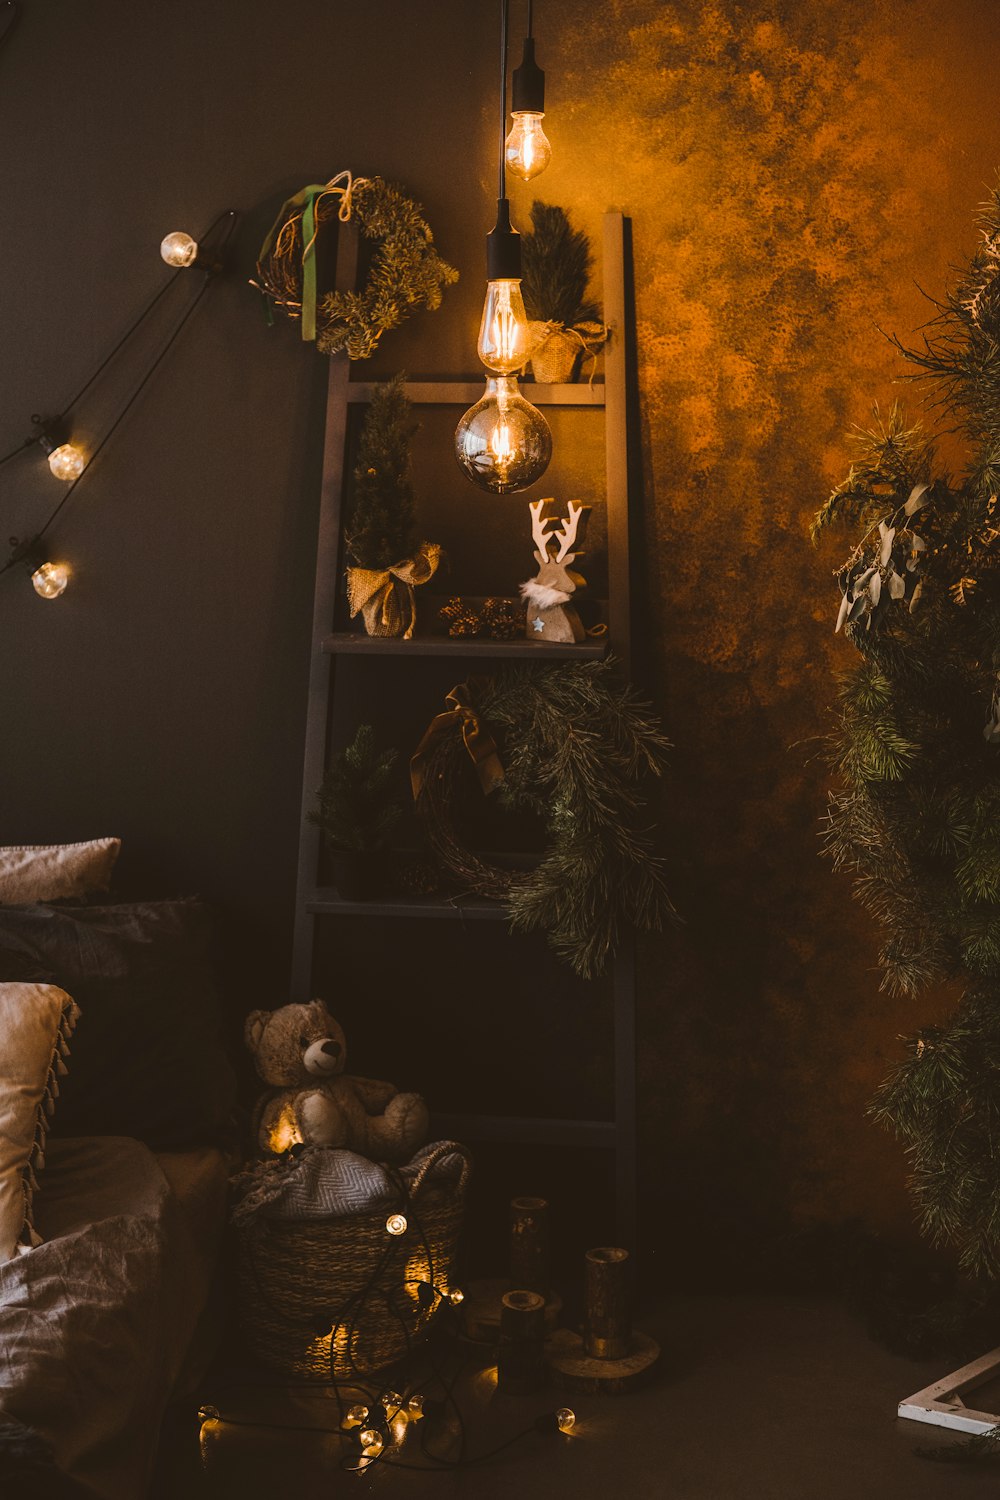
(36, 1022)
(56, 872)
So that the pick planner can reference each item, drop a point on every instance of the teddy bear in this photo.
(301, 1051)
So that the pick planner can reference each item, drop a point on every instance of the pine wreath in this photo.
(574, 745)
(406, 271)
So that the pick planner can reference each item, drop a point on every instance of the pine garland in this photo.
(356, 809)
(918, 746)
(381, 528)
(575, 745)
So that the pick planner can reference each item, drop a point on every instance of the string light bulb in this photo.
(67, 462)
(392, 1401)
(371, 1442)
(50, 580)
(565, 1419)
(396, 1224)
(178, 249)
(355, 1416)
(415, 1408)
(503, 443)
(456, 1296)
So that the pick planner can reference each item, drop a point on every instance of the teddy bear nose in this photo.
(332, 1049)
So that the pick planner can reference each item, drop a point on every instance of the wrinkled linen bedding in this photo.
(95, 1322)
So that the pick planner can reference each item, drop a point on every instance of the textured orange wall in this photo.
(791, 170)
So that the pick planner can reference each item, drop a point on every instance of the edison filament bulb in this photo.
(178, 248)
(50, 580)
(67, 462)
(503, 443)
(527, 147)
(503, 332)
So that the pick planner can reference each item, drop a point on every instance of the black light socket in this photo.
(54, 433)
(528, 83)
(503, 247)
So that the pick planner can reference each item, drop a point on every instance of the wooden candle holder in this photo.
(529, 1244)
(608, 1326)
(520, 1358)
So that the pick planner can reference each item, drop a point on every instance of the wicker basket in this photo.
(328, 1299)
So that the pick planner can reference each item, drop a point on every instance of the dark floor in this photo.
(755, 1399)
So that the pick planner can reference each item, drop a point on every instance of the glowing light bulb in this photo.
(565, 1418)
(503, 333)
(50, 580)
(355, 1416)
(178, 248)
(456, 1296)
(396, 1223)
(392, 1401)
(527, 147)
(503, 443)
(67, 462)
(371, 1442)
(415, 1408)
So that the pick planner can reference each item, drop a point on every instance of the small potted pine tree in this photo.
(386, 559)
(356, 813)
(563, 323)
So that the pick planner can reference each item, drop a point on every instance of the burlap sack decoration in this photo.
(555, 349)
(385, 598)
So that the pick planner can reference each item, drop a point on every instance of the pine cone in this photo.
(503, 618)
(452, 609)
(467, 623)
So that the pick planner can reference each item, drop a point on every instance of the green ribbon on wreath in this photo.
(306, 199)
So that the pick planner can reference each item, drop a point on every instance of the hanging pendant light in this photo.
(527, 149)
(503, 443)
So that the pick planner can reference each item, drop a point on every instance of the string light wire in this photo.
(230, 216)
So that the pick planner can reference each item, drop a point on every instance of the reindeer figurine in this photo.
(550, 616)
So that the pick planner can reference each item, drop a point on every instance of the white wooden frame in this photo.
(941, 1404)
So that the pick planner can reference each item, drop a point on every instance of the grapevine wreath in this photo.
(406, 270)
(569, 743)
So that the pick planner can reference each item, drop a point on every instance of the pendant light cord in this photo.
(531, 6)
(504, 19)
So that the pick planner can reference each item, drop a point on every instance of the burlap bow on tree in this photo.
(478, 741)
(385, 595)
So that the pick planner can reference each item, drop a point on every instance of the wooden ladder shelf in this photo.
(615, 396)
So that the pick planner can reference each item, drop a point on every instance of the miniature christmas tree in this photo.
(556, 266)
(918, 747)
(357, 811)
(381, 527)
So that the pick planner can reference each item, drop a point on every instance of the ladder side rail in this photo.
(328, 546)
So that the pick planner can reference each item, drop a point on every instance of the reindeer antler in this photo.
(565, 536)
(539, 529)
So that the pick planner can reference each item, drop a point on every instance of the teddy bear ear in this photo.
(254, 1028)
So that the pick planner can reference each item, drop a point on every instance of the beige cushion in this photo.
(56, 872)
(36, 1021)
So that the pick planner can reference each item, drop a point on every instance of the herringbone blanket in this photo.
(324, 1183)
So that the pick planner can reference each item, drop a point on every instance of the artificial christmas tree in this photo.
(918, 746)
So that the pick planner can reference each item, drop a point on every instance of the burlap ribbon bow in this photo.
(376, 592)
(478, 741)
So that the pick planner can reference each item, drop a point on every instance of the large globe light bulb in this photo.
(178, 248)
(503, 443)
(503, 333)
(67, 462)
(50, 580)
(527, 148)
